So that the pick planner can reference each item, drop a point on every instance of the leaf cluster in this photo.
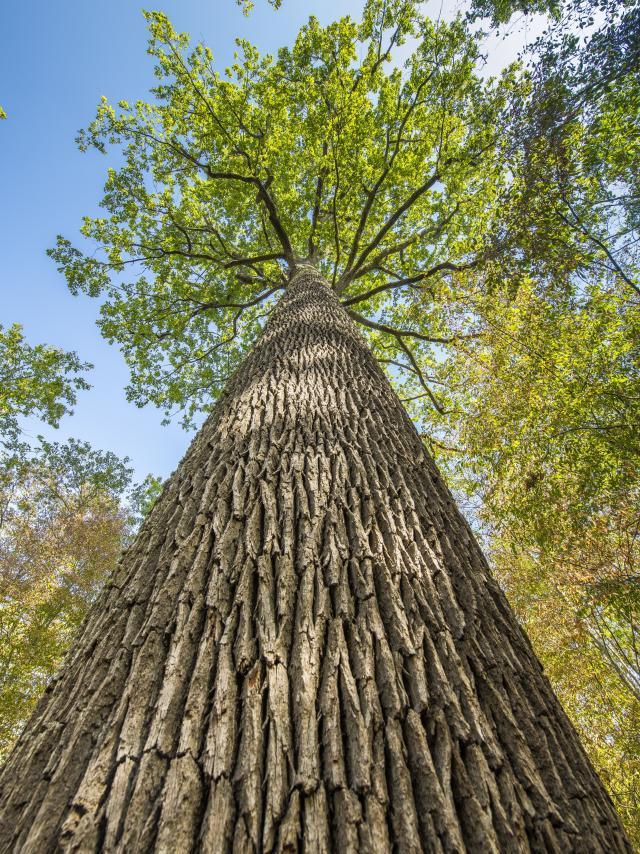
(35, 379)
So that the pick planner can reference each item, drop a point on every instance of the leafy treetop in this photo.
(383, 176)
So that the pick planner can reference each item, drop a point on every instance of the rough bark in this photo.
(304, 649)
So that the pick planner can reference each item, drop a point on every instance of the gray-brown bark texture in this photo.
(303, 649)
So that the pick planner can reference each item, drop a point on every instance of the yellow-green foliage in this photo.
(62, 526)
(547, 410)
(602, 706)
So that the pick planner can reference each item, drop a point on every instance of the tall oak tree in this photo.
(303, 648)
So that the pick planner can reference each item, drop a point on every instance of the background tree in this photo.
(35, 380)
(578, 131)
(545, 405)
(62, 526)
(66, 512)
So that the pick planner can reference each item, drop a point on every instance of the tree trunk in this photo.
(303, 649)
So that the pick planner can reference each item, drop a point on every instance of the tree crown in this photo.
(381, 174)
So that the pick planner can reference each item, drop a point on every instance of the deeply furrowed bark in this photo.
(303, 649)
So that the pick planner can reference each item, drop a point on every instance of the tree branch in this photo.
(334, 213)
(388, 286)
(395, 216)
(317, 202)
(402, 333)
(215, 175)
(416, 367)
(274, 218)
(411, 280)
(396, 248)
(208, 306)
(371, 194)
(578, 222)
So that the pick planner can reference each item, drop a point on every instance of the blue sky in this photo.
(58, 59)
